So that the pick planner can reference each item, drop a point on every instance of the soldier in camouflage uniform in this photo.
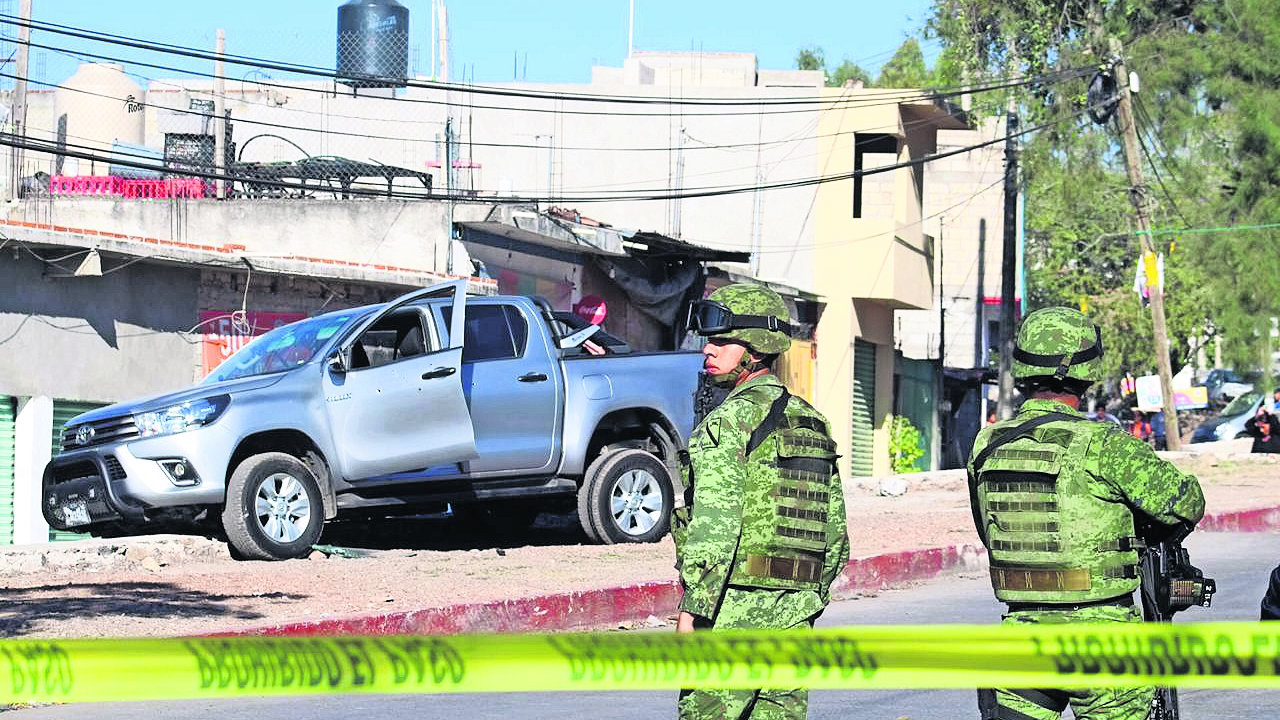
(1065, 506)
(761, 536)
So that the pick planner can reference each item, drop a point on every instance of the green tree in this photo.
(1209, 115)
(849, 71)
(906, 69)
(1238, 88)
(810, 58)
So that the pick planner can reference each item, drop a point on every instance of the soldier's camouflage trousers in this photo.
(764, 610)
(1049, 704)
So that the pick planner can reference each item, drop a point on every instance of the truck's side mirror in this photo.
(338, 362)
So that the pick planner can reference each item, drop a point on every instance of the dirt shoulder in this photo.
(170, 585)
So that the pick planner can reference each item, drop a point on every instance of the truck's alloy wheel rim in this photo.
(282, 507)
(636, 502)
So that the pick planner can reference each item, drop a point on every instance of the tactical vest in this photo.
(791, 474)
(1049, 538)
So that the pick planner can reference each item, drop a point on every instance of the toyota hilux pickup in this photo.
(433, 400)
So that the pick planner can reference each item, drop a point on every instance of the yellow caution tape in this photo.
(1210, 655)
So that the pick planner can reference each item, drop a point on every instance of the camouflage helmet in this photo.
(758, 306)
(1058, 342)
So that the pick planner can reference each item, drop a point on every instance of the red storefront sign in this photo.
(227, 332)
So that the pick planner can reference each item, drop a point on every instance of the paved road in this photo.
(1239, 562)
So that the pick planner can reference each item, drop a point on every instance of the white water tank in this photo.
(103, 106)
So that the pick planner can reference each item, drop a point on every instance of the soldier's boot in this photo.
(743, 704)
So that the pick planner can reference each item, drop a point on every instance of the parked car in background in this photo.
(1226, 384)
(1229, 424)
(492, 404)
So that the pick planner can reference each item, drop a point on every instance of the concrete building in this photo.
(857, 245)
(964, 210)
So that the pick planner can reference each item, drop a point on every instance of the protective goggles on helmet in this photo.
(709, 317)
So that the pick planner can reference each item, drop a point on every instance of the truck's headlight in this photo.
(179, 418)
(1221, 430)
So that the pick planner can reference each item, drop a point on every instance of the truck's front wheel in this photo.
(627, 497)
(273, 509)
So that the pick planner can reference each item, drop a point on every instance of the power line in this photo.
(891, 100)
(432, 141)
(814, 246)
(1142, 142)
(637, 195)
(1207, 230)
(878, 99)
(325, 73)
(119, 152)
(242, 95)
(378, 192)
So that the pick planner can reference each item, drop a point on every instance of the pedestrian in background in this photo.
(1141, 428)
(1101, 415)
(1265, 431)
(761, 536)
(1158, 438)
(1059, 502)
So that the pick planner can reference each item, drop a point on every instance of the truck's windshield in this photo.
(281, 349)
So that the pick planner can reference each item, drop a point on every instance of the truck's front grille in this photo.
(82, 435)
(75, 471)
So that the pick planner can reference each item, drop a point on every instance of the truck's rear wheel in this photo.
(273, 509)
(627, 497)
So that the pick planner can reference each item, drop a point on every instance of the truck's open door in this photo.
(393, 389)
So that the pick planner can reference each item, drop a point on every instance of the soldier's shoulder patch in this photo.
(712, 431)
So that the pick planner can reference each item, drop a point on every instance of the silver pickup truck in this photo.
(433, 400)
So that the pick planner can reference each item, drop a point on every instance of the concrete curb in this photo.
(1256, 520)
(611, 606)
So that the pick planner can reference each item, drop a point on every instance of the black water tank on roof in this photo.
(373, 43)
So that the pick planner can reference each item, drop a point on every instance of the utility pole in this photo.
(942, 405)
(1009, 264)
(19, 119)
(449, 190)
(979, 304)
(676, 206)
(220, 121)
(1138, 196)
(942, 306)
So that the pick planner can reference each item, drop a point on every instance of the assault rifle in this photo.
(706, 397)
(1170, 584)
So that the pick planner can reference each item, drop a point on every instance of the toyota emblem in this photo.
(84, 434)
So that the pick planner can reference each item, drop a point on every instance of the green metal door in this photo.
(917, 388)
(863, 409)
(64, 410)
(8, 410)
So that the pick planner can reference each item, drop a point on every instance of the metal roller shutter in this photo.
(64, 410)
(8, 411)
(863, 409)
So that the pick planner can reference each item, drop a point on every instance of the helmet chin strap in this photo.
(746, 366)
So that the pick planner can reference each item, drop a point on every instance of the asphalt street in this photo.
(1240, 562)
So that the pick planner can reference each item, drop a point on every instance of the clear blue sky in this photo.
(555, 41)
